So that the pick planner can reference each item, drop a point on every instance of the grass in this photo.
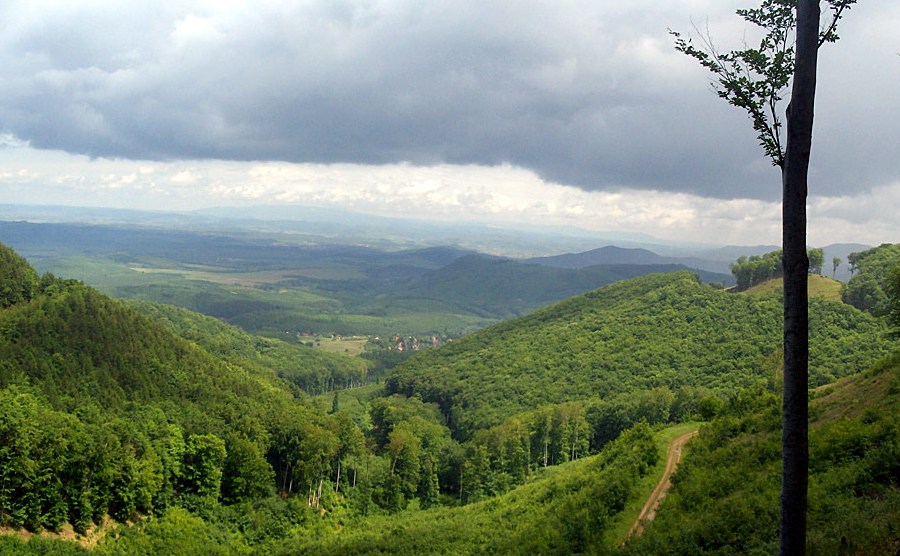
(819, 286)
(224, 277)
(101, 273)
(347, 345)
(622, 521)
(489, 526)
(847, 398)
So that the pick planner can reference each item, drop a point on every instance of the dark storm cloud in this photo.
(583, 93)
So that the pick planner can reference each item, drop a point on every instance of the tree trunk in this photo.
(337, 480)
(795, 441)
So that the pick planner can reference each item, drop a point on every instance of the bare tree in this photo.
(756, 79)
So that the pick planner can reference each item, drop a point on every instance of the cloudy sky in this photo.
(569, 112)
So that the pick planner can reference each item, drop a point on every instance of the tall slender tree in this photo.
(755, 79)
(795, 401)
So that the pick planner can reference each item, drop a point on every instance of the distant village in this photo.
(396, 343)
(411, 343)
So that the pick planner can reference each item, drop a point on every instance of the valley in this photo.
(349, 413)
(284, 285)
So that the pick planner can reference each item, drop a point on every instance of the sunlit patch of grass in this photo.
(819, 286)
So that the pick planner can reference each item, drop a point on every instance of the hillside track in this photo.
(673, 458)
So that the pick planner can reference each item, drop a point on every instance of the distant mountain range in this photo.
(712, 260)
(612, 254)
(348, 272)
(498, 287)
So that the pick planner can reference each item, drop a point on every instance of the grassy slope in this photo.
(819, 286)
(622, 522)
(725, 498)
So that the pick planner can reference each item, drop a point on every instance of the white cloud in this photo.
(584, 92)
(504, 194)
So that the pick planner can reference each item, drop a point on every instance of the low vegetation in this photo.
(725, 494)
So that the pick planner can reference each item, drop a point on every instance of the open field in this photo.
(348, 345)
(819, 286)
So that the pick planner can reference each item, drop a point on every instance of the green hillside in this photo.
(725, 494)
(660, 331)
(314, 371)
(106, 412)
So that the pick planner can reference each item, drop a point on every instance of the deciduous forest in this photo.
(130, 427)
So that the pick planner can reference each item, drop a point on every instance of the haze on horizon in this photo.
(576, 113)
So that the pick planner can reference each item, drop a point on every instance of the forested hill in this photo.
(313, 371)
(78, 346)
(724, 498)
(664, 330)
(106, 412)
(611, 255)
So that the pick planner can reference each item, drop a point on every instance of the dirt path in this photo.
(673, 457)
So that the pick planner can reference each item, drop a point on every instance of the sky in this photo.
(576, 113)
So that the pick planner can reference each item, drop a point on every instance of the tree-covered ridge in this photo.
(753, 270)
(313, 371)
(76, 346)
(655, 331)
(103, 411)
(869, 287)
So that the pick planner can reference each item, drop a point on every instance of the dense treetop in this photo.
(869, 286)
(18, 281)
